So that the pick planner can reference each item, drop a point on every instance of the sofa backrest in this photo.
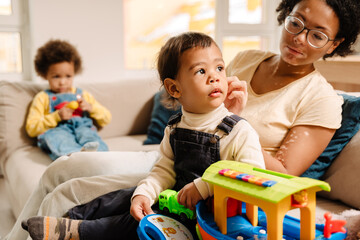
(130, 103)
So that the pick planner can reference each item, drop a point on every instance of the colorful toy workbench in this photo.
(273, 192)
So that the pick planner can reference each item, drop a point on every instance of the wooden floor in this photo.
(7, 219)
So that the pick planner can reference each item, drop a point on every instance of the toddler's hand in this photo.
(189, 196)
(65, 113)
(237, 95)
(140, 207)
(84, 105)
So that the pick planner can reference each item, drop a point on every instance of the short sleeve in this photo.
(320, 108)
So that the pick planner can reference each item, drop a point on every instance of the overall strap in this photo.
(49, 92)
(228, 123)
(174, 119)
(78, 91)
(50, 95)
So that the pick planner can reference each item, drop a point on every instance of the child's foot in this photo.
(52, 228)
(90, 147)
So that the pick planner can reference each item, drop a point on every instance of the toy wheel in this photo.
(166, 211)
(183, 217)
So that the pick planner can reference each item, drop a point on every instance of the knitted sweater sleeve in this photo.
(39, 120)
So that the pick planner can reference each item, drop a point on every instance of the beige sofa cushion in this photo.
(343, 175)
(129, 104)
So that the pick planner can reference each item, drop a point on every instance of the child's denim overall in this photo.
(68, 136)
(194, 152)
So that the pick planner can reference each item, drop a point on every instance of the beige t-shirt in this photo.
(310, 100)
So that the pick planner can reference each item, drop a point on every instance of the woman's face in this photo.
(315, 14)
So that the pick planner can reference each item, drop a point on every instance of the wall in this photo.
(342, 73)
(94, 27)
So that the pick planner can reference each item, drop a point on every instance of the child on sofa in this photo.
(192, 71)
(61, 117)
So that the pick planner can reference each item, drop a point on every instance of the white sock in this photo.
(90, 147)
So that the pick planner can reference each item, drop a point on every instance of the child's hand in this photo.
(84, 105)
(189, 196)
(237, 95)
(65, 113)
(140, 207)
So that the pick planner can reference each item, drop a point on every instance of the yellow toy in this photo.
(73, 105)
(273, 192)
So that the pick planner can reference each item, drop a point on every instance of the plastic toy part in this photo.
(239, 227)
(160, 227)
(260, 181)
(267, 196)
(73, 105)
(332, 226)
(299, 199)
(169, 204)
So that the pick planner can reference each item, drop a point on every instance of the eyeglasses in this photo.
(315, 38)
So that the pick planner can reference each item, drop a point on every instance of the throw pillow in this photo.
(350, 125)
(159, 118)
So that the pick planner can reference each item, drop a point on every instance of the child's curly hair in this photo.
(56, 51)
(168, 63)
(348, 12)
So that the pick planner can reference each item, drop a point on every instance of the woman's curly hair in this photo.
(56, 51)
(348, 12)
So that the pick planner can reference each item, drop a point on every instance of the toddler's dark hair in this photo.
(56, 51)
(168, 63)
(348, 12)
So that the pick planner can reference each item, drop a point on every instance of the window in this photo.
(234, 24)
(246, 24)
(5, 7)
(147, 30)
(11, 36)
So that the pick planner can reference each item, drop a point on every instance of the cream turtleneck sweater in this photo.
(242, 144)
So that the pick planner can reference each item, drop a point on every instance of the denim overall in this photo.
(194, 152)
(68, 136)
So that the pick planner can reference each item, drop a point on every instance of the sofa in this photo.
(22, 162)
(131, 104)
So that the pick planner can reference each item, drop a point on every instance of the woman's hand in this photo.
(189, 196)
(237, 95)
(140, 207)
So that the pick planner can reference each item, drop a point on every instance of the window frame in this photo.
(18, 22)
(268, 29)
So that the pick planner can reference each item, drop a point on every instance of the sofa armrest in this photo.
(15, 99)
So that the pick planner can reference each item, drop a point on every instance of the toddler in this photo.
(61, 117)
(192, 71)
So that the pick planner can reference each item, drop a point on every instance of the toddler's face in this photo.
(201, 79)
(60, 77)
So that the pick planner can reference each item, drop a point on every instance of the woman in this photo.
(312, 29)
(302, 111)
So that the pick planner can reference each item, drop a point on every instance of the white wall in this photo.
(94, 27)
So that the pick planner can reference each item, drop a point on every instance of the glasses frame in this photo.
(307, 33)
